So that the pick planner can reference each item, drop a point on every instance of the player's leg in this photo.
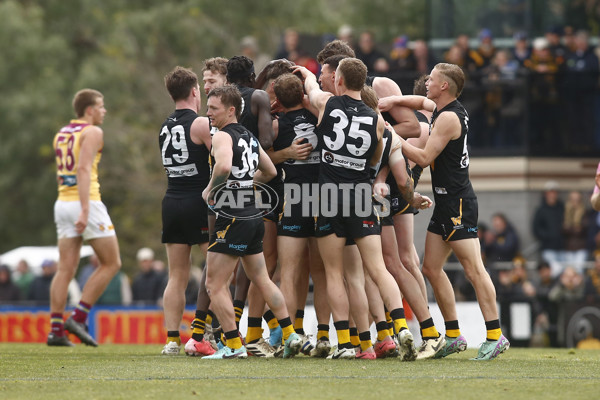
(404, 232)
(357, 299)
(321, 303)
(179, 262)
(256, 269)
(469, 254)
(68, 250)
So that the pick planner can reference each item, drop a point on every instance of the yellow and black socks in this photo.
(233, 340)
(286, 327)
(322, 332)
(452, 329)
(238, 308)
(342, 329)
(365, 340)
(493, 330)
(255, 331)
(382, 330)
(56, 324)
(173, 336)
(428, 330)
(271, 320)
(80, 312)
(199, 325)
(299, 322)
(399, 319)
(354, 339)
(390, 323)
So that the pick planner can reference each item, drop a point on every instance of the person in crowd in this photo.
(9, 292)
(548, 225)
(23, 278)
(147, 284)
(595, 199)
(575, 226)
(569, 286)
(39, 291)
(249, 48)
(591, 289)
(502, 241)
(367, 52)
(522, 49)
(545, 310)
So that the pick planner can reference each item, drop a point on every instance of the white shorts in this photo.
(67, 212)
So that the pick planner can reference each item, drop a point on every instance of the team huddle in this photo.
(316, 176)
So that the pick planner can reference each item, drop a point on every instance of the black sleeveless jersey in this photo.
(294, 125)
(421, 117)
(247, 119)
(185, 162)
(236, 197)
(348, 138)
(385, 155)
(450, 170)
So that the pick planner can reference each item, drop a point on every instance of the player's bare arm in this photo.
(261, 107)
(200, 132)
(446, 128)
(91, 143)
(407, 124)
(223, 153)
(413, 102)
(266, 168)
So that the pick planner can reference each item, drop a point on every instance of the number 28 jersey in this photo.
(67, 144)
(348, 139)
(185, 162)
(450, 169)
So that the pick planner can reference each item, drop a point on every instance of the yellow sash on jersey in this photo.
(67, 144)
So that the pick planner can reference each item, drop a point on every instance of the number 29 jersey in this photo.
(348, 139)
(185, 162)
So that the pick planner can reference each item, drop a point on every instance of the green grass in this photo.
(30, 371)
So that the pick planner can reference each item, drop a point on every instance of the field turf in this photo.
(32, 371)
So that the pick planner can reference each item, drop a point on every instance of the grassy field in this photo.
(30, 371)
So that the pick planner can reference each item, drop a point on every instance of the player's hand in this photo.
(386, 103)
(421, 202)
(299, 150)
(276, 107)
(207, 197)
(380, 190)
(298, 69)
(81, 223)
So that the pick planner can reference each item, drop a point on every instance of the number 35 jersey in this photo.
(66, 145)
(185, 162)
(348, 139)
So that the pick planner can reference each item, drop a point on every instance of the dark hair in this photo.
(273, 70)
(334, 61)
(419, 87)
(240, 70)
(354, 73)
(289, 90)
(337, 47)
(83, 99)
(230, 97)
(180, 82)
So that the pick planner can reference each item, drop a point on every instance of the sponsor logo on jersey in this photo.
(457, 221)
(181, 170)
(67, 180)
(337, 160)
(441, 190)
(221, 236)
(238, 247)
(291, 228)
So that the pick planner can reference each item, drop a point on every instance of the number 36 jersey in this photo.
(185, 162)
(348, 139)
(67, 144)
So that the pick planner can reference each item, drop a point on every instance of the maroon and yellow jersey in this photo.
(66, 145)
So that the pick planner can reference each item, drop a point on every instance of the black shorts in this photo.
(274, 203)
(400, 206)
(349, 227)
(238, 237)
(454, 219)
(184, 220)
(386, 216)
(294, 224)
